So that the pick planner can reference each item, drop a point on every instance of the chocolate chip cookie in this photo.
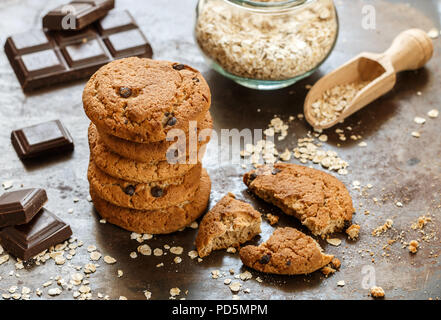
(229, 223)
(156, 221)
(140, 99)
(128, 169)
(157, 151)
(144, 196)
(320, 201)
(287, 251)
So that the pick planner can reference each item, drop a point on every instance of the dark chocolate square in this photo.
(128, 42)
(20, 206)
(116, 21)
(30, 41)
(41, 62)
(27, 240)
(84, 53)
(42, 139)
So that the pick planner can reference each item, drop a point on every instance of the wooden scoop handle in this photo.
(410, 50)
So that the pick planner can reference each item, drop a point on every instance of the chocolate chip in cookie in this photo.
(172, 121)
(157, 192)
(178, 66)
(130, 190)
(265, 259)
(125, 92)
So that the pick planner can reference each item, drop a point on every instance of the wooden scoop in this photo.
(410, 50)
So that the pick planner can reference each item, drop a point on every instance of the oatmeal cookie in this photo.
(144, 196)
(157, 151)
(228, 224)
(287, 251)
(127, 169)
(320, 201)
(161, 221)
(140, 99)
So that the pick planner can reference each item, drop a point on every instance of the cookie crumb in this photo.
(353, 231)
(377, 292)
(413, 246)
(272, 219)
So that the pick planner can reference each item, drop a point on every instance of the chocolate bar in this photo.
(42, 58)
(77, 14)
(20, 206)
(46, 138)
(27, 240)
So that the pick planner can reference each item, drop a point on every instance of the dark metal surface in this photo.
(400, 167)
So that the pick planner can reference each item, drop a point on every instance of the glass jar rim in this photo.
(269, 5)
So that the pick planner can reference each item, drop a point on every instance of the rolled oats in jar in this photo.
(266, 44)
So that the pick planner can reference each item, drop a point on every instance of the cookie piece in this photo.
(127, 169)
(320, 201)
(228, 224)
(144, 196)
(162, 221)
(287, 251)
(140, 99)
(157, 151)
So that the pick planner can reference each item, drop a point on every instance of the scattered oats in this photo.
(38, 292)
(133, 255)
(76, 294)
(245, 276)
(377, 292)
(89, 198)
(109, 260)
(84, 289)
(193, 254)
(413, 246)
(1, 250)
(134, 236)
(235, 297)
(91, 248)
(433, 113)
(103, 221)
(247, 290)
(160, 265)
(323, 138)
(341, 283)
(415, 134)
(286, 155)
(147, 294)
(95, 256)
(47, 284)
(259, 279)
(54, 291)
(7, 184)
(362, 144)
(334, 241)
(231, 271)
(235, 286)
(158, 252)
(12, 289)
(19, 265)
(77, 278)
(120, 273)
(89, 268)
(433, 33)
(176, 250)
(215, 274)
(166, 246)
(231, 250)
(419, 120)
(147, 236)
(175, 292)
(16, 296)
(145, 250)
(6, 296)
(398, 204)
(200, 260)
(227, 281)
(60, 260)
(122, 298)
(177, 259)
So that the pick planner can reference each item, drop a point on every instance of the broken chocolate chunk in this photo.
(172, 121)
(178, 66)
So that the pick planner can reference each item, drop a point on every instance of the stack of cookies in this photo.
(150, 125)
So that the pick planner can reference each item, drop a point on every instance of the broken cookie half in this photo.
(320, 201)
(288, 251)
(228, 224)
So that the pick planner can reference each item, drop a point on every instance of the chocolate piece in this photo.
(46, 138)
(129, 190)
(125, 92)
(178, 66)
(157, 192)
(19, 207)
(172, 121)
(42, 58)
(27, 240)
(265, 259)
(76, 15)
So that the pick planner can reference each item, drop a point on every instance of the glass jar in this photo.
(266, 44)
